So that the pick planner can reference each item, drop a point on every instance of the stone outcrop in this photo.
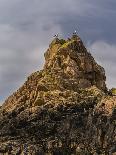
(63, 109)
(71, 60)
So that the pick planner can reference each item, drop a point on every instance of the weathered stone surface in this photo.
(63, 109)
(72, 61)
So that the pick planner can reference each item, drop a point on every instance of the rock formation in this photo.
(63, 109)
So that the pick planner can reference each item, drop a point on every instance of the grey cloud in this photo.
(105, 54)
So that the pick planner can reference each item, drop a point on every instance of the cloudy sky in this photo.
(28, 26)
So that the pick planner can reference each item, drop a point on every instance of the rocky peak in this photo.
(61, 109)
(68, 66)
(70, 59)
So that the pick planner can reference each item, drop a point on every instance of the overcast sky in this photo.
(28, 26)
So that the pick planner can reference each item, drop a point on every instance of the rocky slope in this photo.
(63, 109)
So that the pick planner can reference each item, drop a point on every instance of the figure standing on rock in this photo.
(56, 36)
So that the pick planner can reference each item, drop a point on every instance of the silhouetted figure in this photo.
(75, 32)
(56, 36)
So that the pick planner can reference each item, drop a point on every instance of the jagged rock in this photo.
(63, 109)
(72, 61)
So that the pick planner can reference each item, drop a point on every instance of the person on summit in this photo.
(56, 36)
(75, 36)
(75, 32)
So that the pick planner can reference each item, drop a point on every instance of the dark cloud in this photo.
(27, 27)
(106, 56)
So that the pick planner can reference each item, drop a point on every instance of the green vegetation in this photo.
(113, 91)
(66, 44)
(62, 41)
(39, 102)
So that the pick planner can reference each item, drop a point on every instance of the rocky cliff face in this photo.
(71, 61)
(62, 109)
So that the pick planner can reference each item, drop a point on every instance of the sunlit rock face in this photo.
(71, 61)
(63, 109)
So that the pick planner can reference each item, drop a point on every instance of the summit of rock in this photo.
(69, 59)
(63, 108)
